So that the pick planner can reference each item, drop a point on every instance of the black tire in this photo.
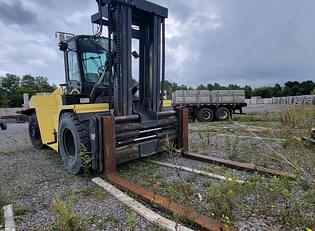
(205, 115)
(222, 113)
(72, 135)
(20, 119)
(3, 126)
(34, 132)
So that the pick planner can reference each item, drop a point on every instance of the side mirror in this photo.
(135, 55)
(63, 46)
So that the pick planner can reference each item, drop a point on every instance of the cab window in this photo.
(74, 71)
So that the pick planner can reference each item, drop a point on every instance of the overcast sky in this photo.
(255, 42)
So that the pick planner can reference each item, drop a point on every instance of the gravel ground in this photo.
(30, 179)
(197, 187)
(260, 108)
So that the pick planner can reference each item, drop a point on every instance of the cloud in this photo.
(15, 13)
(256, 42)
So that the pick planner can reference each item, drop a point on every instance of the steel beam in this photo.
(183, 129)
(237, 165)
(109, 142)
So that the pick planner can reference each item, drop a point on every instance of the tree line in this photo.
(290, 88)
(12, 88)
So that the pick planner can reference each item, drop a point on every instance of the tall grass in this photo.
(298, 117)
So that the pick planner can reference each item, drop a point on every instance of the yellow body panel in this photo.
(167, 103)
(48, 109)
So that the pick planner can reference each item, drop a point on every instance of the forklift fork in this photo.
(110, 173)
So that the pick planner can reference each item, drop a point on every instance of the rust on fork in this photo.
(238, 165)
(164, 202)
(109, 152)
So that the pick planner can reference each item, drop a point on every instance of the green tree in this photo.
(10, 82)
(248, 92)
(291, 88)
(277, 90)
(210, 87)
(43, 85)
(4, 102)
(202, 87)
(12, 88)
(28, 82)
(264, 92)
(306, 87)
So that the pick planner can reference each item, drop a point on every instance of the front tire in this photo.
(34, 132)
(73, 137)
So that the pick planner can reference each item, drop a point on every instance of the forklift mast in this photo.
(143, 21)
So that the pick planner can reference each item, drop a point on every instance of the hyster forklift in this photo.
(101, 108)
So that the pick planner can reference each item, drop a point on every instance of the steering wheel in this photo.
(100, 70)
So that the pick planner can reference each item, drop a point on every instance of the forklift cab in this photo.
(85, 57)
(100, 69)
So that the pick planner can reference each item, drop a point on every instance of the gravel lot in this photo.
(30, 179)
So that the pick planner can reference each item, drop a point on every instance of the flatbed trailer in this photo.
(13, 114)
(206, 106)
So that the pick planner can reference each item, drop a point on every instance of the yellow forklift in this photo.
(99, 83)
(111, 105)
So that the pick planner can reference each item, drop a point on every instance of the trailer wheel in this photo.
(205, 115)
(3, 126)
(73, 136)
(222, 113)
(34, 132)
(20, 119)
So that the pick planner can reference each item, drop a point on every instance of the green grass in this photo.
(65, 219)
(3, 202)
(21, 210)
(132, 220)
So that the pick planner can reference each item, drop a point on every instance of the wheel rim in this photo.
(68, 143)
(223, 115)
(206, 115)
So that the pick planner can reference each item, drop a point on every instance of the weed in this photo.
(66, 220)
(180, 191)
(111, 220)
(153, 229)
(298, 117)
(227, 196)
(87, 191)
(132, 220)
(20, 210)
(99, 193)
(309, 199)
(169, 147)
(1, 217)
(86, 161)
(3, 202)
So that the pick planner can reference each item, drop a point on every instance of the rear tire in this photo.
(34, 132)
(205, 115)
(72, 135)
(222, 113)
